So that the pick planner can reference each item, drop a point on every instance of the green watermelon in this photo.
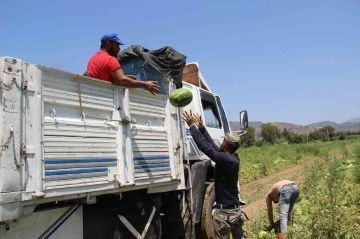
(181, 97)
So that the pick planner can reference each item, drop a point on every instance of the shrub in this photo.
(357, 165)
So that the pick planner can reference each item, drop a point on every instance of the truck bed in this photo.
(66, 136)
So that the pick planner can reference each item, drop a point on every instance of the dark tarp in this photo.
(166, 60)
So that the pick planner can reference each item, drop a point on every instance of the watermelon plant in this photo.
(329, 201)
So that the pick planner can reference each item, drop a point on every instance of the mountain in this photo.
(353, 120)
(302, 129)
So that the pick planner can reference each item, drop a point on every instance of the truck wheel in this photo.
(206, 217)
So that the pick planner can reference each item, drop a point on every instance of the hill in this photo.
(353, 120)
(303, 129)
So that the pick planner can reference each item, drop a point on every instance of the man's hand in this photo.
(188, 118)
(198, 120)
(153, 87)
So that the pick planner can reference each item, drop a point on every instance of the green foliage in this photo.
(328, 208)
(271, 136)
(328, 130)
(259, 143)
(270, 133)
(298, 139)
(325, 133)
(357, 165)
(291, 137)
(316, 135)
(257, 162)
(248, 139)
(342, 136)
(329, 205)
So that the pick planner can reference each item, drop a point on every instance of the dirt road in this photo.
(254, 192)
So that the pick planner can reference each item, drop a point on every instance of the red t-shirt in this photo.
(100, 66)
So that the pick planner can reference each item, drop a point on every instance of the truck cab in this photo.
(206, 103)
(209, 105)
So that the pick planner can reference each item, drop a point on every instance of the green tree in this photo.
(270, 133)
(291, 137)
(341, 136)
(317, 135)
(328, 132)
(286, 134)
(298, 139)
(248, 139)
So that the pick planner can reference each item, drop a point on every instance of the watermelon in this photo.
(181, 97)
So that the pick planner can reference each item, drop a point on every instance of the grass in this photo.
(329, 201)
(257, 162)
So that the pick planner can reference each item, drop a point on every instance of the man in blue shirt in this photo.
(227, 217)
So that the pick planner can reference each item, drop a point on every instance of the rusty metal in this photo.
(38, 195)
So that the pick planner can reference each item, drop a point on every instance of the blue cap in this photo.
(111, 37)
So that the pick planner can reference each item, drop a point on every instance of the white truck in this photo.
(84, 158)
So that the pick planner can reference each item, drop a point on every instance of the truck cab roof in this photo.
(191, 74)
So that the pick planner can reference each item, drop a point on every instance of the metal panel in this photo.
(65, 91)
(74, 151)
(149, 137)
(151, 159)
(77, 150)
(56, 223)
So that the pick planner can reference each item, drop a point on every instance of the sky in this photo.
(283, 61)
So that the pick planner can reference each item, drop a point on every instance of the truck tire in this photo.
(206, 217)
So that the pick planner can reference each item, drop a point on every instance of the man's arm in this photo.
(269, 207)
(206, 147)
(123, 80)
(200, 124)
(208, 138)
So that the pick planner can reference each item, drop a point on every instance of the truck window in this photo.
(223, 115)
(211, 114)
(144, 71)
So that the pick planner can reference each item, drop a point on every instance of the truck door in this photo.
(214, 116)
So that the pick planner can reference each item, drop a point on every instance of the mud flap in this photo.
(192, 213)
(198, 177)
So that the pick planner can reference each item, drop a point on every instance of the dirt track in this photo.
(254, 192)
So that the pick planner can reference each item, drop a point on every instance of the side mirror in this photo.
(244, 123)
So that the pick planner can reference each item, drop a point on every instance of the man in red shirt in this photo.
(103, 65)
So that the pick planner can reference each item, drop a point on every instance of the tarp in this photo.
(166, 60)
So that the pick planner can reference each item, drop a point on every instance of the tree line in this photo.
(271, 134)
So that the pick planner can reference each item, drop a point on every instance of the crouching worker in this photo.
(227, 217)
(285, 193)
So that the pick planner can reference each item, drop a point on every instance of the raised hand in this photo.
(188, 118)
(198, 120)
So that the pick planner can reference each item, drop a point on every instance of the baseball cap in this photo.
(232, 137)
(111, 37)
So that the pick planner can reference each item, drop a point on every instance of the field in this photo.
(328, 174)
